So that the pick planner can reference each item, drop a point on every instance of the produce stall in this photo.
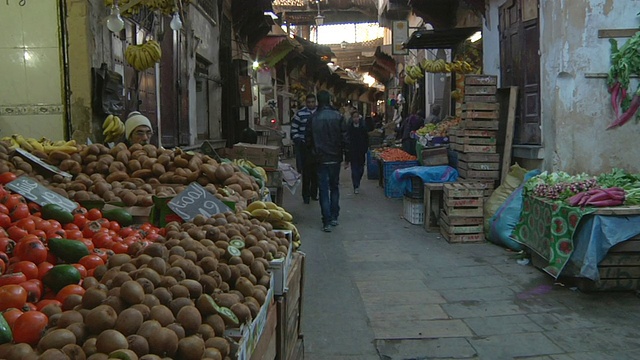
(193, 275)
(571, 222)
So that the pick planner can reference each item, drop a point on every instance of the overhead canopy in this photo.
(439, 39)
(275, 46)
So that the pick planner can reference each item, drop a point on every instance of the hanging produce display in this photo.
(625, 62)
(143, 56)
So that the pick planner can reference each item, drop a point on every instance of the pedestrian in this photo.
(411, 124)
(137, 129)
(358, 147)
(305, 163)
(328, 137)
(434, 117)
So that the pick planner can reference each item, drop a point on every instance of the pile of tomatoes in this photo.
(25, 258)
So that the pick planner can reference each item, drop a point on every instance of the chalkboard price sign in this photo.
(39, 194)
(195, 200)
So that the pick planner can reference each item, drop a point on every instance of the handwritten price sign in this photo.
(195, 200)
(36, 192)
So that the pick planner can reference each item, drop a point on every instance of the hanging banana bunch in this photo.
(143, 56)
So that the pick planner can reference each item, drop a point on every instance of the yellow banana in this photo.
(260, 213)
(286, 216)
(107, 122)
(35, 144)
(111, 127)
(256, 205)
(270, 205)
(23, 143)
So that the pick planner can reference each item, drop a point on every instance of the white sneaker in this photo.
(356, 191)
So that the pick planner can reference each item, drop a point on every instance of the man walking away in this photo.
(328, 137)
(305, 163)
(358, 147)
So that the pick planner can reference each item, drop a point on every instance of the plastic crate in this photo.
(417, 188)
(413, 210)
(388, 168)
(372, 167)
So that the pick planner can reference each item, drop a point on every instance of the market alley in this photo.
(378, 287)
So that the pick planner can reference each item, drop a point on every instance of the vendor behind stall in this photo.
(138, 129)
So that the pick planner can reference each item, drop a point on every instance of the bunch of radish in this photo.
(598, 197)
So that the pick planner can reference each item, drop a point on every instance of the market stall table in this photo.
(571, 242)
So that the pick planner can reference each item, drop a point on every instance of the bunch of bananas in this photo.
(143, 56)
(457, 94)
(43, 145)
(278, 217)
(166, 7)
(112, 128)
(441, 66)
(252, 169)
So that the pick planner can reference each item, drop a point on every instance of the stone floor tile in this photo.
(469, 309)
(385, 275)
(562, 321)
(417, 329)
(501, 325)
(390, 286)
(508, 346)
(481, 294)
(599, 339)
(405, 312)
(458, 348)
(405, 298)
(465, 282)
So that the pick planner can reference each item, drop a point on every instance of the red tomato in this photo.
(55, 233)
(4, 209)
(69, 290)
(70, 226)
(12, 296)
(126, 231)
(7, 177)
(11, 315)
(4, 257)
(91, 261)
(103, 253)
(34, 290)
(44, 225)
(5, 220)
(114, 226)
(52, 258)
(16, 233)
(29, 306)
(33, 208)
(29, 326)
(91, 228)
(43, 268)
(12, 200)
(26, 223)
(101, 239)
(73, 234)
(94, 214)
(28, 268)
(42, 236)
(7, 245)
(152, 237)
(79, 210)
(89, 243)
(120, 248)
(80, 220)
(20, 211)
(81, 269)
(12, 279)
(30, 248)
(44, 302)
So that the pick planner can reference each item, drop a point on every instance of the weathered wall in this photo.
(576, 110)
(491, 40)
(31, 75)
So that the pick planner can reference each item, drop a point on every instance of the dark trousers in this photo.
(409, 145)
(328, 184)
(307, 168)
(357, 170)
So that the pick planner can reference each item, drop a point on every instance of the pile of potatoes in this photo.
(131, 175)
(173, 299)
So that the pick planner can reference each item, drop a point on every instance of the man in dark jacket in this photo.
(328, 138)
(358, 147)
(305, 163)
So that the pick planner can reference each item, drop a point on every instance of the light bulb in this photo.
(114, 20)
(176, 23)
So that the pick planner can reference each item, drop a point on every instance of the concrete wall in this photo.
(491, 40)
(576, 110)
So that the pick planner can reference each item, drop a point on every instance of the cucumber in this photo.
(121, 216)
(6, 336)
(60, 276)
(70, 251)
(56, 212)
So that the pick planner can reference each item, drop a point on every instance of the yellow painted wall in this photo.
(30, 73)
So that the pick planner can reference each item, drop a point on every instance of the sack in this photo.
(499, 196)
(107, 91)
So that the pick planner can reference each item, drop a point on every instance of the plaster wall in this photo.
(491, 40)
(206, 44)
(31, 76)
(575, 109)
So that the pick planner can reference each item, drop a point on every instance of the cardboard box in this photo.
(261, 155)
(280, 268)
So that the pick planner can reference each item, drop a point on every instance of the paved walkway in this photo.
(378, 287)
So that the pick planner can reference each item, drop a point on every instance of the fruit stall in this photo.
(584, 228)
(142, 252)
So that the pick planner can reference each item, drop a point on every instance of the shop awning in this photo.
(274, 47)
(439, 39)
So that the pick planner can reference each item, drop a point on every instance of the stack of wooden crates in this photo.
(289, 338)
(462, 215)
(475, 138)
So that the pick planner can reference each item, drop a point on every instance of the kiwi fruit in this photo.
(79, 330)
(226, 300)
(143, 309)
(56, 339)
(158, 264)
(245, 286)
(71, 301)
(53, 354)
(206, 331)
(132, 292)
(162, 314)
(111, 340)
(93, 297)
(129, 321)
(179, 291)
(178, 329)
(176, 304)
(242, 312)
(194, 287)
(163, 295)
(89, 346)
(98, 356)
(163, 342)
(150, 300)
(219, 343)
(123, 354)
(190, 319)
(138, 344)
(74, 352)
(146, 284)
(51, 309)
(190, 348)
(69, 317)
(148, 327)
(212, 353)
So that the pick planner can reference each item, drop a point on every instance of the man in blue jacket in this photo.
(305, 164)
(327, 136)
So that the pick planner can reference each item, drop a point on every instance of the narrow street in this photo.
(378, 287)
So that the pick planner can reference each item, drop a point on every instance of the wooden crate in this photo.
(482, 166)
(463, 190)
(479, 157)
(480, 124)
(433, 193)
(619, 270)
(481, 80)
(456, 229)
(480, 98)
(463, 200)
(480, 89)
(472, 140)
(289, 307)
(467, 148)
(480, 114)
(479, 174)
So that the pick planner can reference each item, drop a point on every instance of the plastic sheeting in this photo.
(428, 174)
